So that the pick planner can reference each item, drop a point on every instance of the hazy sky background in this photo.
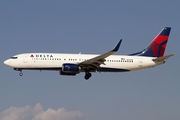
(94, 26)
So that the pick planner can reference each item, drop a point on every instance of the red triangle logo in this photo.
(31, 56)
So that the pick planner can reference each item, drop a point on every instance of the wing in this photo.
(97, 61)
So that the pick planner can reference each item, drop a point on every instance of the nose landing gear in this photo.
(88, 75)
(18, 69)
(20, 74)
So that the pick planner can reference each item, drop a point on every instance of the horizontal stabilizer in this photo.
(163, 58)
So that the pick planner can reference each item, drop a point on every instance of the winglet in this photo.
(117, 46)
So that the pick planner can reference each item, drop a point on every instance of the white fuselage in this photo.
(53, 61)
(72, 64)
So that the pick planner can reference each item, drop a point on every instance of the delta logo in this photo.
(41, 56)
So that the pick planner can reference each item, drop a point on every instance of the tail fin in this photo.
(157, 47)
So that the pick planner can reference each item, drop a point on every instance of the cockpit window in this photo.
(14, 57)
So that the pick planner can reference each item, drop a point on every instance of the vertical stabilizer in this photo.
(157, 47)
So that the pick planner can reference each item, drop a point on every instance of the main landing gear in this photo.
(88, 75)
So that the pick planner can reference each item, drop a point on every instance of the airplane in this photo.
(72, 64)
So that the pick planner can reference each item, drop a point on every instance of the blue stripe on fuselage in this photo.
(99, 69)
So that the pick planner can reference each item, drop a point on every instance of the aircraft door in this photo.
(140, 62)
(25, 59)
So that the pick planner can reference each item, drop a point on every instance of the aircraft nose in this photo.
(7, 62)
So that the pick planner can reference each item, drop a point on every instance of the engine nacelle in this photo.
(70, 68)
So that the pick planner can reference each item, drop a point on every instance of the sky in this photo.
(89, 27)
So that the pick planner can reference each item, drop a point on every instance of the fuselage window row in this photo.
(128, 60)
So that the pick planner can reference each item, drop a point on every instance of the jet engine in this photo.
(69, 69)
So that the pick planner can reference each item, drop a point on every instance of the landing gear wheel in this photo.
(87, 76)
(21, 74)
